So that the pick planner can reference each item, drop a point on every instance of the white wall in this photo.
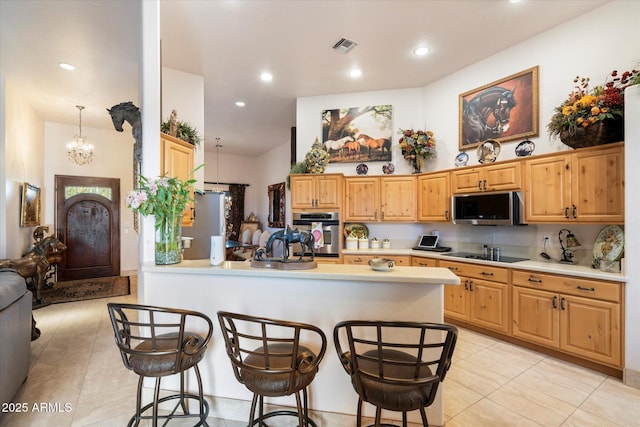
(22, 158)
(112, 158)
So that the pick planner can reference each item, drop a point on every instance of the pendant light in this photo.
(78, 150)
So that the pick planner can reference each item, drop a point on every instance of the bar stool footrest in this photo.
(135, 420)
(279, 413)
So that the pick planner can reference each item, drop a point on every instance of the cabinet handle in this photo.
(446, 215)
(562, 303)
(480, 185)
(582, 288)
(484, 184)
(453, 268)
(485, 273)
(534, 279)
(574, 211)
(382, 215)
(471, 285)
(375, 214)
(466, 285)
(566, 212)
(554, 302)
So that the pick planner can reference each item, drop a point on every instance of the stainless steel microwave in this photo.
(490, 208)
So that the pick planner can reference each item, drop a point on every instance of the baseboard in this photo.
(631, 378)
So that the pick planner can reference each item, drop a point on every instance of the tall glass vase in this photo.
(417, 164)
(168, 239)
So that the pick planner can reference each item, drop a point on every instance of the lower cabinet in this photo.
(417, 261)
(404, 260)
(482, 298)
(577, 316)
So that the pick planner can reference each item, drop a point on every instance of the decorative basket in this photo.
(603, 132)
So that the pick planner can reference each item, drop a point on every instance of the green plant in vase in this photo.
(166, 199)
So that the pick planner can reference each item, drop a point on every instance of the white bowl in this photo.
(381, 264)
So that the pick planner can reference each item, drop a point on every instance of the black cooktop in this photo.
(470, 255)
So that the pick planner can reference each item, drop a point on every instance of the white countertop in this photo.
(540, 266)
(418, 275)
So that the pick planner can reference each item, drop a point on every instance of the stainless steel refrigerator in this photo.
(208, 221)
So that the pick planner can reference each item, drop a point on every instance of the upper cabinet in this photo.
(586, 185)
(380, 198)
(322, 191)
(176, 160)
(495, 177)
(434, 197)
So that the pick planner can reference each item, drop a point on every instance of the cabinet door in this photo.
(535, 318)
(502, 177)
(489, 305)
(177, 161)
(361, 199)
(597, 185)
(328, 191)
(548, 189)
(434, 197)
(302, 191)
(423, 262)
(590, 328)
(466, 181)
(456, 300)
(398, 198)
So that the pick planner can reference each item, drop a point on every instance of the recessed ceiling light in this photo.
(421, 51)
(266, 77)
(240, 104)
(66, 66)
(355, 73)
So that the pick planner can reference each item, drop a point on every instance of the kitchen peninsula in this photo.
(322, 296)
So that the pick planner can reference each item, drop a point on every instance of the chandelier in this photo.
(78, 150)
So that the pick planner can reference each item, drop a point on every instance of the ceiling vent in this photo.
(344, 45)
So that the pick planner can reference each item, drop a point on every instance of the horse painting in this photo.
(128, 112)
(288, 236)
(352, 146)
(34, 265)
(381, 144)
(487, 115)
(336, 145)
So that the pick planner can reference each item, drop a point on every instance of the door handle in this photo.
(582, 288)
(534, 279)
(574, 211)
(480, 185)
(446, 215)
(486, 273)
(563, 304)
(566, 212)
(484, 184)
(466, 285)
(554, 302)
(471, 285)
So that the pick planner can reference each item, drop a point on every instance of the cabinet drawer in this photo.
(357, 259)
(423, 262)
(609, 291)
(477, 271)
(403, 260)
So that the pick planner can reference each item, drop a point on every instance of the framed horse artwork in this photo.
(30, 206)
(357, 134)
(504, 110)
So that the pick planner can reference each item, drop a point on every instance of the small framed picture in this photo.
(30, 206)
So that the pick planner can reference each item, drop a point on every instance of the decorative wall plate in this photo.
(609, 244)
(362, 169)
(488, 151)
(525, 148)
(388, 168)
(356, 230)
(461, 159)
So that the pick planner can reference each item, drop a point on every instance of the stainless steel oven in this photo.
(328, 222)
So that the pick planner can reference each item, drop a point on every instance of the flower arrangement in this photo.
(184, 131)
(417, 144)
(317, 158)
(585, 107)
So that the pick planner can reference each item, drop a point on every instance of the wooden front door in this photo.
(88, 222)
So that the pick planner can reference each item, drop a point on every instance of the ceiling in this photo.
(231, 42)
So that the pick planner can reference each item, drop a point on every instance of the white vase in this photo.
(352, 243)
(363, 243)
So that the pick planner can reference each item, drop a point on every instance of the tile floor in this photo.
(491, 383)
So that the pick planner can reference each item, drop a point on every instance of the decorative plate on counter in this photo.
(525, 148)
(609, 244)
(356, 230)
(362, 169)
(461, 159)
(388, 168)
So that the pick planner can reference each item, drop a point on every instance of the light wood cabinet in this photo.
(496, 177)
(176, 160)
(322, 191)
(482, 298)
(577, 316)
(375, 199)
(434, 197)
(400, 260)
(586, 185)
(417, 261)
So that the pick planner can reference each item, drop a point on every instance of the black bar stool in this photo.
(154, 342)
(268, 358)
(396, 366)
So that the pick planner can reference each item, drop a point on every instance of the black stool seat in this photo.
(154, 342)
(268, 358)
